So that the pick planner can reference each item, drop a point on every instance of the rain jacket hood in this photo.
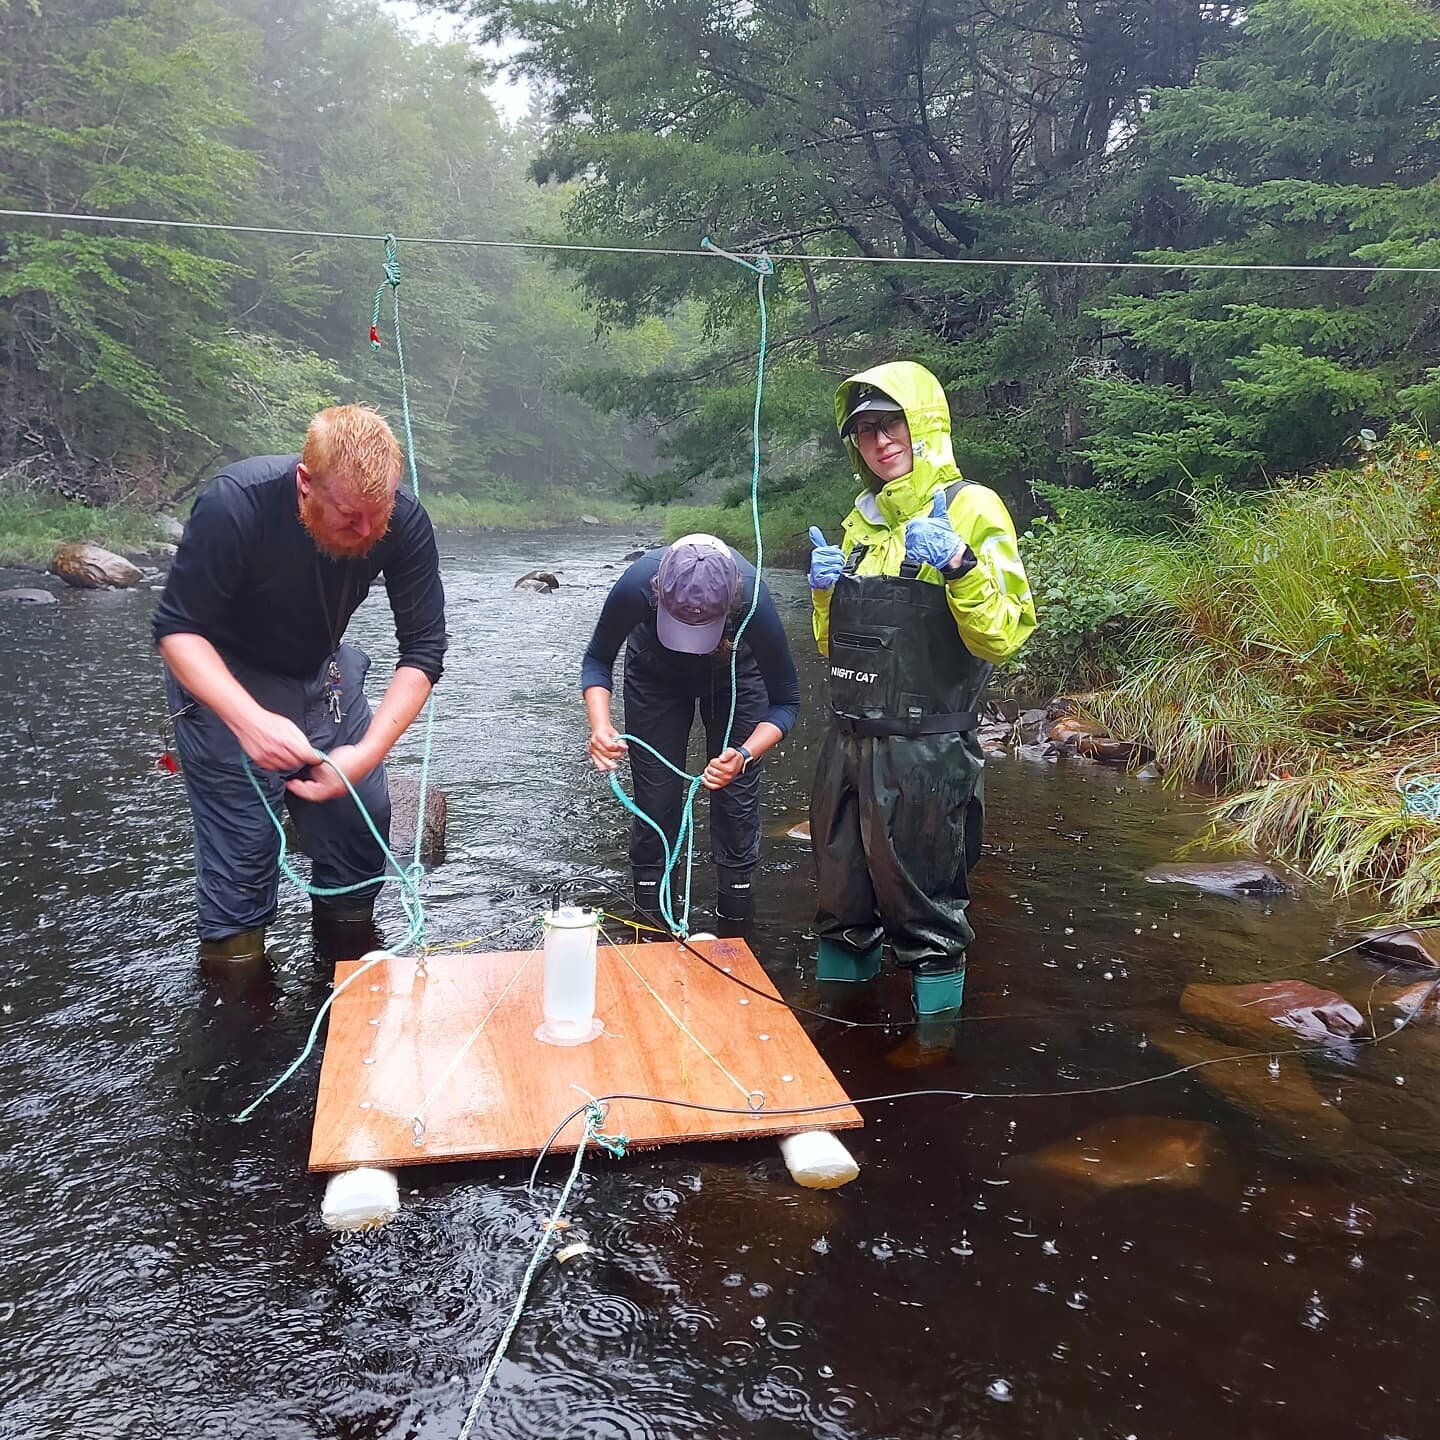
(991, 604)
(927, 413)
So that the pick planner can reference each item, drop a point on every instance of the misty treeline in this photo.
(1298, 132)
(134, 361)
(1285, 132)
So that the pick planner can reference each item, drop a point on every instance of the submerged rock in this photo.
(1302, 1211)
(799, 832)
(88, 567)
(1106, 750)
(1129, 1151)
(1251, 1013)
(1417, 1004)
(539, 582)
(633, 555)
(1417, 948)
(1287, 1101)
(27, 597)
(1227, 877)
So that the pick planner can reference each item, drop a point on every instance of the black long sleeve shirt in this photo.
(251, 581)
(631, 602)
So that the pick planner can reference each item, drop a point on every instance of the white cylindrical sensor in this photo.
(568, 984)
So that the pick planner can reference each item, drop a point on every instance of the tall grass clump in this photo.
(33, 525)
(1295, 660)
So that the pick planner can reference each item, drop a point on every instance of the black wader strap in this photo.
(951, 724)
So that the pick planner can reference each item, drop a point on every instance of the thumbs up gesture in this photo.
(933, 541)
(826, 561)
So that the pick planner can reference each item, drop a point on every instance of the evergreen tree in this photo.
(1313, 141)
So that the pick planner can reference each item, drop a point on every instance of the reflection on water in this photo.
(167, 1273)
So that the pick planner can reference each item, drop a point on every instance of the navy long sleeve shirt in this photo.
(631, 603)
(251, 581)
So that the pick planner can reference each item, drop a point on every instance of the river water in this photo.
(166, 1272)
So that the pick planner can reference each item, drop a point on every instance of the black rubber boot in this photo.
(344, 932)
(645, 886)
(343, 910)
(734, 893)
(247, 947)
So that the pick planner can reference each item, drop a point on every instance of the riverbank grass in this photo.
(32, 527)
(557, 510)
(1295, 657)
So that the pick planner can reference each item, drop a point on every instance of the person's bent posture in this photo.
(924, 592)
(278, 553)
(677, 611)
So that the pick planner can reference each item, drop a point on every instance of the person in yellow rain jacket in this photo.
(924, 593)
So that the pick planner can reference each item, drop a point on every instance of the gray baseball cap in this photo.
(864, 400)
(695, 591)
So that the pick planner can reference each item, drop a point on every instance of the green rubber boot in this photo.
(939, 993)
(839, 964)
(245, 948)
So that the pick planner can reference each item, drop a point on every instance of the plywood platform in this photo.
(395, 1036)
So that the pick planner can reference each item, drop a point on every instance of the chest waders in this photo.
(662, 690)
(896, 817)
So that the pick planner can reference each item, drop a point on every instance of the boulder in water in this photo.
(404, 805)
(540, 582)
(1228, 877)
(1250, 1013)
(633, 555)
(1417, 948)
(589, 519)
(169, 528)
(89, 567)
(799, 832)
(1417, 1004)
(1107, 750)
(1127, 1152)
(1286, 1100)
(404, 802)
(27, 597)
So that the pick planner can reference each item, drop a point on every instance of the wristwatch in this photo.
(748, 758)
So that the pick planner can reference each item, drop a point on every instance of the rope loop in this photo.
(761, 265)
(390, 267)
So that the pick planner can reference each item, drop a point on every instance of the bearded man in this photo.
(278, 554)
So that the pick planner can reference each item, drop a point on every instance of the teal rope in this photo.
(761, 269)
(1422, 797)
(615, 1144)
(409, 878)
(392, 283)
(411, 875)
(686, 835)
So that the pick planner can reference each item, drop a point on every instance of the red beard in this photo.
(338, 544)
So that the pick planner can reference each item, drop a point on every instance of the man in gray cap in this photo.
(676, 611)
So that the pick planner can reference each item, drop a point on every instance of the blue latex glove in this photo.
(933, 541)
(826, 561)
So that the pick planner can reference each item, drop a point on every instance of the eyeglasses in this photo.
(890, 425)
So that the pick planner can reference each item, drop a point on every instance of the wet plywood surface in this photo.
(456, 1044)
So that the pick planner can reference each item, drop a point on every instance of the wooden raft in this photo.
(395, 1034)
